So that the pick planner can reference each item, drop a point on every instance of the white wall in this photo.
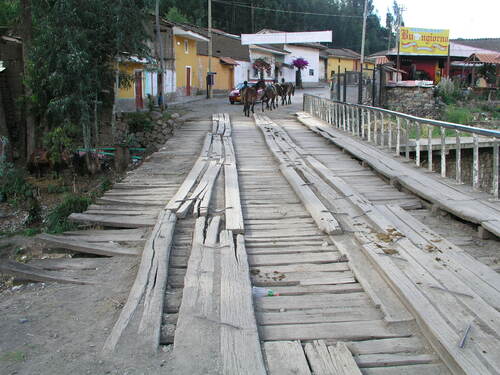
(309, 54)
(241, 71)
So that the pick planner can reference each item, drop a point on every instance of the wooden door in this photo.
(188, 80)
(139, 102)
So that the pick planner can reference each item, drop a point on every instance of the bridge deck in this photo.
(362, 283)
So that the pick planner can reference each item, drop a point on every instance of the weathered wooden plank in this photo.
(240, 347)
(387, 346)
(27, 272)
(138, 288)
(197, 325)
(272, 259)
(150, 325)
(74, 243)
(343, 360)
(319, 358)
(399, 359)
(322, 315)
(314, 301)
(345, 331)
(233, 212)
(286, 357)
(116, 221)
(431, 369)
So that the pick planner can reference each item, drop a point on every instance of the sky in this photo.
(464, 19)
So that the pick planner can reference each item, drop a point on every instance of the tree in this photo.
(300, 63)
(72, 58)
(175, 15)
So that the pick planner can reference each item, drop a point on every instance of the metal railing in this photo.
(404, 135)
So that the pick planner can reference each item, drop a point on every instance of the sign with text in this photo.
(416, 41)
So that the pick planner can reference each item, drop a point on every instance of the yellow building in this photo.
(186, 60)
(223, 67)
(345, 60)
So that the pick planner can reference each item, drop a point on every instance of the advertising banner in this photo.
(416, 41)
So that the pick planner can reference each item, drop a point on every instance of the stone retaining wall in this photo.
(416, 101)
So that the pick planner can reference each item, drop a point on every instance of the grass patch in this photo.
(15, 356)
(57, 219)
(458, 115)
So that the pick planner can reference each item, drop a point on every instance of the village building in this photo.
(434, 67)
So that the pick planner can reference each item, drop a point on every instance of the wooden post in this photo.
(389, 134)
(375, 138)
(398, 135)
(362, 123)
(369, 123)
(443, 151)
(475, 163)
(122, 157)
(458, 158)
(429, 147)
(382, 135)
(407, 137)
(494, 182)
(417, 144)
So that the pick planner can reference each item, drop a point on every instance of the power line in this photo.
(285, 11)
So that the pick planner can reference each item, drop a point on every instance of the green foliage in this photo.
(13, 184)
(175, 15)
(138, 122)
(9, 12)
(346, 22)
(458, 115)
(57, 219)
(71, 60)
(105, 184)
(56, 189)
(58, 140)
(449, 91)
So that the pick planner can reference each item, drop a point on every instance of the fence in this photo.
(405, 134)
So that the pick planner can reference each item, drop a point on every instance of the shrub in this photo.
(458, 115)
(138, 122)
(13, 184)
(448, 91)
(57, 219)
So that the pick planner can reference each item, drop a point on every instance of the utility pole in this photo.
(252, 16)
(162, 62)
(209, 74)
(362, 59)
(398, 35)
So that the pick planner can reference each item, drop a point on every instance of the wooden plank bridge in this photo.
(323, 219)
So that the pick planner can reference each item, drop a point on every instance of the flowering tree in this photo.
(260, 64)
(300, 63)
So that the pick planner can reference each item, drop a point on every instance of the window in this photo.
(311, 72)
(186, 46)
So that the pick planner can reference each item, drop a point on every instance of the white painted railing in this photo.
(401, 133)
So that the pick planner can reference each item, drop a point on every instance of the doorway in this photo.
(188, 81)
(139, 102)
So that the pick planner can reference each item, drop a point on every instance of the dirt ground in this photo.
(49, 328)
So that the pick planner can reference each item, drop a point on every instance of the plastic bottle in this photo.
(263, 292)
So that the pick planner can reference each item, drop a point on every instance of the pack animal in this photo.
(270, 97)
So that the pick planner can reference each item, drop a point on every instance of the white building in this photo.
(308, 51)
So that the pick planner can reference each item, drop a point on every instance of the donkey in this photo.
(270, 98)
(248, 97)
(289, 92)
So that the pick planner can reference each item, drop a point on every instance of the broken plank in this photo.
(240, 346)
(286, 357)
